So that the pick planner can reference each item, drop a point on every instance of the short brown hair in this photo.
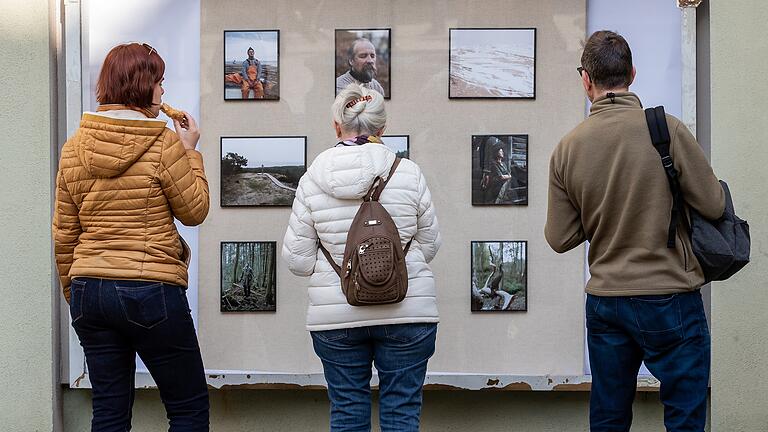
(129, 74)
(608, 60)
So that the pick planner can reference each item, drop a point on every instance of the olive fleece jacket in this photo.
(607, 186)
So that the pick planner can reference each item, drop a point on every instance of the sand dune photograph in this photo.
(492, 63)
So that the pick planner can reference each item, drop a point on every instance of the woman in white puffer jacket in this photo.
(397, 338)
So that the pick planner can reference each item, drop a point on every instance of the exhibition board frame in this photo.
(227, 378)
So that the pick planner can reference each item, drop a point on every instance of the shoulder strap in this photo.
(328, 256)
(379, 184)
(657, 126)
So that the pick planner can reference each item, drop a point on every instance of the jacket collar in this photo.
(619, 100)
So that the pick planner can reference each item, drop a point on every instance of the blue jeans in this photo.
(400, 353)
(669, 333)
(115, 320)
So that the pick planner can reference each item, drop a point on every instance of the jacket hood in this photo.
(108, 146)
(348, 172)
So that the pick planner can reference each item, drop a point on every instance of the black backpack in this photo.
(721, 246)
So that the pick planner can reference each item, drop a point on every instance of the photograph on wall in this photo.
(248, 277)
(500, 170)
(398, 143)
(251, 65)
(261, 171)
(492, 63)
(499, 276)
(363, 57)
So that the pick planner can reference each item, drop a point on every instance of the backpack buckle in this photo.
(666, 161)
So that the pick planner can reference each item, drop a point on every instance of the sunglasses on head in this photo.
(150, 48)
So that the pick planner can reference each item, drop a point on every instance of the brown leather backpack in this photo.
(374, 270)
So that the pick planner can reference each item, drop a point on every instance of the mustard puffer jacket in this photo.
(120, 184)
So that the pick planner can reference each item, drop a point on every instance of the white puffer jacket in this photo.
(327, 199)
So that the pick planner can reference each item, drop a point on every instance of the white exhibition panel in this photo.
(172, 27)
(653, 30)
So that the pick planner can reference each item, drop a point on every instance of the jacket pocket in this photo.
(77, 291)
(659, 320)
(143, 305)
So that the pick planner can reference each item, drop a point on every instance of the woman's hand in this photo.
(187, 131)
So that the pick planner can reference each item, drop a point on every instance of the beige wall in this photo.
(549, 338)
(739, 50)
(26, 354)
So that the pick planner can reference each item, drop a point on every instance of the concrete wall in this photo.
(26, 354)
(444, 411)
(738, 51)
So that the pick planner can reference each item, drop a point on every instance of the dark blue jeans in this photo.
(400, 353)
(669, 333)
(115, 320)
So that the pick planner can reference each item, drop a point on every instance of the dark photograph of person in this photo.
(251, 66)
(500, 170)
(363, 57)
(499, 276)
(248, 281)
(261, 171)
(398, 144)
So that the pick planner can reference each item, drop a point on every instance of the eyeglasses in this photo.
(579, 70)
(147, 46)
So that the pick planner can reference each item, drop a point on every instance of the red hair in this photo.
(129, 74)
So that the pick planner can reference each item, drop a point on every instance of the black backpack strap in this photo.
(657, 126)
(377, 188)
(328, 256)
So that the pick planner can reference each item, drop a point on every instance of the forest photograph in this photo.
(248, 281)
(499, 276)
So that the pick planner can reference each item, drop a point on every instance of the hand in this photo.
(187, 130)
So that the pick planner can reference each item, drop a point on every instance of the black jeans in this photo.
(115, 320)
(669, 333)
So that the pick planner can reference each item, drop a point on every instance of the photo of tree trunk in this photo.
(499, 276)
(248, 277)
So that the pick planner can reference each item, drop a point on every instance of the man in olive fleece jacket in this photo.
(607, 186)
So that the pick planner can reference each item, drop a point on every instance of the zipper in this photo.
(369, 247)
(685, 251)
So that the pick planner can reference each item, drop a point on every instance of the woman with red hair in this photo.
(123, 178)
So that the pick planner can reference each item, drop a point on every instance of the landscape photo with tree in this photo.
(499, 276)
(248, 277)
(398, 144)
(261, 171)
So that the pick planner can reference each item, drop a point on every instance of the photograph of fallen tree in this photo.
(499, 276)
(248, 281)
(261, 171)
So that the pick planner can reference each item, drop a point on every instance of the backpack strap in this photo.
(657, 126)
(379, 184)
(328, 256)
